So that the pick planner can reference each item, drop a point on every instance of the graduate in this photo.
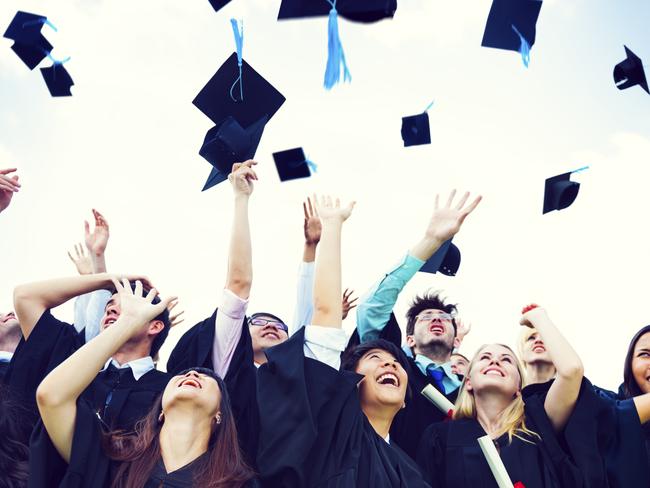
(432, 332)
(125, 386)
(9, 339)
(526, 426)
(321, 426)
(187, 439)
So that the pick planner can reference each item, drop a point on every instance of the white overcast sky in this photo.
(127, 144)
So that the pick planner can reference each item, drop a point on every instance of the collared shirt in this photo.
(450, 381)
(139, 367)
(304, 297)
(376, 306)
(5, 356)
(227, 330)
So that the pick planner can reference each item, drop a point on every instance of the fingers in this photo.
(100, 220)
(172, 305)
(150, 296)
(71, 258)
(7, 171)
(473, 205)
(86, 228)
(451, 198)
(351, 303)
(304, 209)
(118, 286)
(10, 184)
(461, 202)
(312, 211)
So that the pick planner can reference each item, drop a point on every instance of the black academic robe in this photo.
(313, 432)
(89, 466)
(4, 366)
(195, 349)
(419, 413)
(50, 343)
(451, 457)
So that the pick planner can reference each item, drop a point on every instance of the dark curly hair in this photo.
(430, 300)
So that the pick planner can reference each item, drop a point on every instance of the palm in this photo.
(313, 228)
(445, 224)
(5, 199)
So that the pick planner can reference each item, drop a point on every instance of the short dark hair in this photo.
(430, 300)
(461, 355)
(630, 388)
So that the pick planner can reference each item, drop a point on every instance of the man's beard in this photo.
(437, 348)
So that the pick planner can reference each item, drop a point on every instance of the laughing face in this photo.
(533, 349)
(494, 368)
(266, 332)
(433, 330)
(8, 320)
(385, 380)
(111, 313)
(641, 363)
(199, 390)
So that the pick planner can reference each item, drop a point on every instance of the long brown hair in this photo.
(139, 451)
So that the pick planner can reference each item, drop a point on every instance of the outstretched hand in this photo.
(242, 176)
(446, 221)
(81, 260)
(137, 309)
(347, 303)
(97, 240)
(530, 314)
(8, 186)
(312, 224)
(331, 210)
(175, 319)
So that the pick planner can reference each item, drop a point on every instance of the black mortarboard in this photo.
(260, 97)
(504, 14)
(229, 143)
(214, 179)
(446, 260)
(58, 80)
(559, 192)
(292, 164)
(219, 4)
(630, 72)
(30, 45)
(355, 10)
(415, 130)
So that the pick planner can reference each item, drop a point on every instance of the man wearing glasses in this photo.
(431, 330)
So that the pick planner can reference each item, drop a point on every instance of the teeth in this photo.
(493, 372)
(388, 376)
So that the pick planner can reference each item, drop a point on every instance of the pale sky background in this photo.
(127, 144)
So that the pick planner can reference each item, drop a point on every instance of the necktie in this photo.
(437, 374)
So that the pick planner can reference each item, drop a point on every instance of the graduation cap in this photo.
(354, 10)
(58, 80)
(560, 192)
(415, 129)
(511, 26)
(446, 260)
(630, 72)
(292, 164)
(214, 178)
(29, 44)
(219, 4)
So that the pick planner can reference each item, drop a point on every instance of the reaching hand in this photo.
(331, 210)
(347, 303)
(97, 240)
(312, 226)
(446, 221)
(8, 186)
(242, 176)
(137, 310)
(530, 314)
(462, 329)
(82, 260)
(174, 320)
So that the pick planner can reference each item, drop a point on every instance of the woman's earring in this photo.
(218, 418)
(161, 417)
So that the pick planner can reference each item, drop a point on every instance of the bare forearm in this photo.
(240, 257)
(99, 263)
(565, 359)
(309, 253)
(327, 281)
(425, 248)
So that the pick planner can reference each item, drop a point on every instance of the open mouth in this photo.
(191, 382)
(539, 349)
(388, 379)
(270, 335)
(110, 321)
(8, 317)
(437, 329)
(494, 372)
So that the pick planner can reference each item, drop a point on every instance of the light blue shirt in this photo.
(450, 381)
(376, 306)
(304, 297)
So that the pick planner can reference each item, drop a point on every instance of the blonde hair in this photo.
(512, 418)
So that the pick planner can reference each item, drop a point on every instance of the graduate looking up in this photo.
(125, 385)
(527, 427)
(188, 437)
(431, 330)
(321, 423)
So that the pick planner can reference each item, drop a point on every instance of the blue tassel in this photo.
(335, 55)
(524, 47)
(580, 170)
(429, 106)
(56, 61)
(312, 166)
(239, 43)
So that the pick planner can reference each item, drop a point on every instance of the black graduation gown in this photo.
(313, 432)
(195, 349)
(4, 366)
(419, 413)
(89, 466)
(451, 457)
(52, 342)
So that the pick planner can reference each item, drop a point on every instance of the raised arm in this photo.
(8, 186)
(57, 394)
(96, 241)
(327, 281)
(563, 394)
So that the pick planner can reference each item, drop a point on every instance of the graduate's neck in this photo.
(437, 352)
(539, 372)
(489, 409)
(381, 418)
(9, 338)
(132, 351)
(183, 437)
(259, 357)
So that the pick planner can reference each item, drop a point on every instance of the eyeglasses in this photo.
(429, 316)
(274, 323)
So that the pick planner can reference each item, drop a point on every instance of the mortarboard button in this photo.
(58, 80)
(559, 192)
(260, 97)
(29, 44)
(292, 164)
(415, 130)
(508, 22)
(446, 260)
(354, 10)
(630, 72)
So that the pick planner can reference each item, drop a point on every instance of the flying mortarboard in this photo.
(446, 260)
(560, 192)
(354, 10)
(415, 129)
(292, 164)
(29, 44)
(511, 26)
(58, 80)
(630, 72)
(219, 4)
(214, 178)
